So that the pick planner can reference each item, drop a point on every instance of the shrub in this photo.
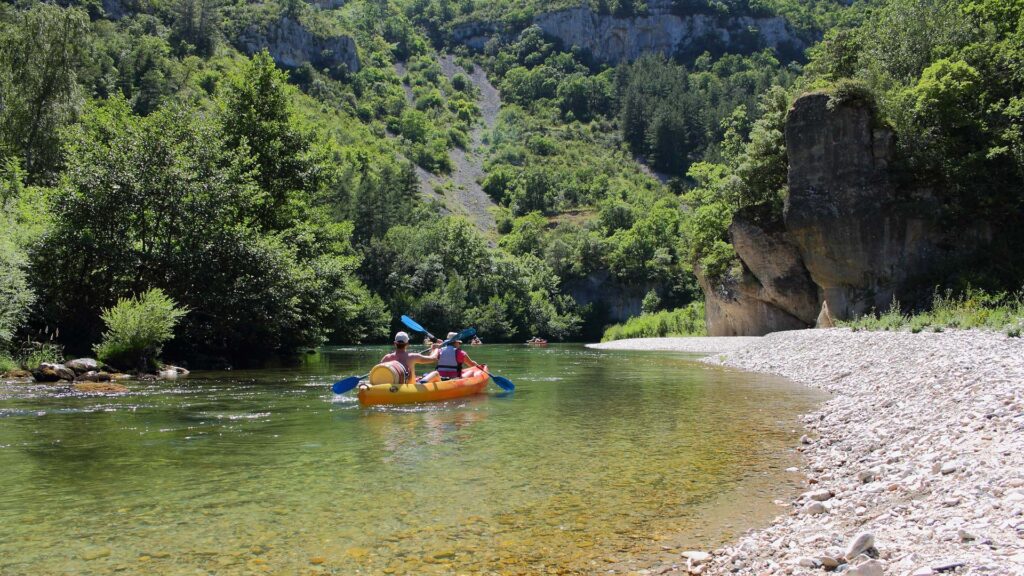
(686, 321)
(137, 329)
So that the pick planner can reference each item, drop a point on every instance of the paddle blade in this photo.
(464, 335)
(505, 383)
(342, 386)
(413, 325)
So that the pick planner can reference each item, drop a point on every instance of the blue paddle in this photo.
(342, 386)
(411, 324)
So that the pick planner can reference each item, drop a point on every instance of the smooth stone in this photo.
(807, 562)
(95, 553)
(860, 544)
(923, 571)
(813, 508)
(947, 566)
(820, 495)
(828, 562)
(949, 468)
(696, 557)
(869, 568)
(965, 535)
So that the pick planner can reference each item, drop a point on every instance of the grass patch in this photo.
(686, 321)
(999, 312)
(7, 363)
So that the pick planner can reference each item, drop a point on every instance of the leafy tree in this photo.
(39, 94)
(256, 114)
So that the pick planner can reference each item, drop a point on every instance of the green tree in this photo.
(39, 94)
(256, 114)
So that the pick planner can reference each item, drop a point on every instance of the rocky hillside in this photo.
(661, 30)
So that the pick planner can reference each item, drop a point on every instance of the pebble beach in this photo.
(915, 466)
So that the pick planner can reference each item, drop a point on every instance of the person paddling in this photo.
(408, 359)
(451, 359)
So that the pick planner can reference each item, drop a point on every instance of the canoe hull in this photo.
(473, 382)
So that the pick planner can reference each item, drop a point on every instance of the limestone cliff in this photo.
(848, 235)
(773, 292)
(291, 45)
(616, 300)
(615, 39)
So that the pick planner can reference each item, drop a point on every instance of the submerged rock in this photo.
(99, 388)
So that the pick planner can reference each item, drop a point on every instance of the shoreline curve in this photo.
(915, 466)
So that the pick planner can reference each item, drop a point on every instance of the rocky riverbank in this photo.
(918, 460)
(915, 467)
(694, 345)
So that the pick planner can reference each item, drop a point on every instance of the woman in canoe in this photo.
(450, 361)
(408, 359)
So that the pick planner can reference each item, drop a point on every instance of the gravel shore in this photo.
(915, 467)
(698, 345)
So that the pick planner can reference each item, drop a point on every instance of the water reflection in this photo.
(596, 457)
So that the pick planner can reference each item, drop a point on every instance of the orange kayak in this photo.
(473, 381)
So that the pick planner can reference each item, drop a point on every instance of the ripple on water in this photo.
(596, 459)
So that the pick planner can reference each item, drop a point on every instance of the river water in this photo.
(600, 461)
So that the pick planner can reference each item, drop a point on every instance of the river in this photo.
(600, 460)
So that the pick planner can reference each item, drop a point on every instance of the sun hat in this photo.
(452, 335)
(402, 337)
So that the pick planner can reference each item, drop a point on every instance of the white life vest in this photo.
(448, 360)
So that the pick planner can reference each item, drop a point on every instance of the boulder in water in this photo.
(83, 365)
(47, 372)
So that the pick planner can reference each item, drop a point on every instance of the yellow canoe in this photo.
(473, 381)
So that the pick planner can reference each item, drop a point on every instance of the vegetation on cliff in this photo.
(143, 148)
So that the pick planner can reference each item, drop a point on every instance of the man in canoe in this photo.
(408, 359)
(451, 359)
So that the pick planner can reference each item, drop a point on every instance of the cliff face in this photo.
(848, 236)
(615, 39)
(618, 301)
(291, 45)
(612, 39)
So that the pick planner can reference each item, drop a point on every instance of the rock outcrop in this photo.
(859, 239)
(291, 45)
(660, 30)
(849, 235)
(773, 292)
(617, 302)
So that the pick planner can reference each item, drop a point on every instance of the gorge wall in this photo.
(660, 30)
(848, 236)
(291, 45)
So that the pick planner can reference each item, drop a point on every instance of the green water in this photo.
(595, 462)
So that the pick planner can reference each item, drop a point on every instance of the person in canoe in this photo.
(451, 359)
(408, 359)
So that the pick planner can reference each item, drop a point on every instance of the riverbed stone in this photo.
(820, 495)
(869, 568)
(861, 543)
(813, 508)
(696, 557)
(49, 372)
(83, 365)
